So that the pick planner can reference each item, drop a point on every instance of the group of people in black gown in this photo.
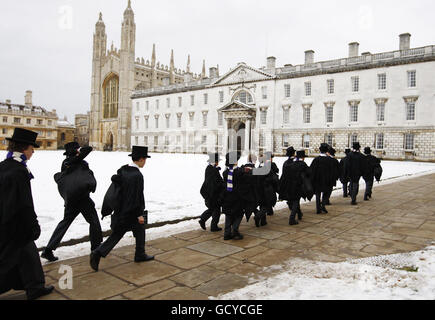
(249, 190)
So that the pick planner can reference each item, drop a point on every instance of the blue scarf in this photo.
(21, 158)
(230, 179)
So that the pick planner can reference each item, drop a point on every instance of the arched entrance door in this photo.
(109, 142)
(240, 136)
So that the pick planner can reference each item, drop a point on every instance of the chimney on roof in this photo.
(28, 99)
(353, 49)
(405, 41)
(309, 57)
(213, 73)
(271, 62)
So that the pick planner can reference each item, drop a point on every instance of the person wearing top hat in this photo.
(249, 190)
(210, 191)
(295, 173)
(355, 168)
(343, 179)
(130, 215)
(369, 177)
(268, 186)
(232, 205)
(335, 173)
(283, 182)
(20, 266)
(322, 169)
(76, 182)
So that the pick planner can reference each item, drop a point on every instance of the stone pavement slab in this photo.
(215, 248)
(185, 258)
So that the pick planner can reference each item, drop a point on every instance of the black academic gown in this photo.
(212, 187)
(232, 203)
(355, 166)
(268, 186)
(18, 221)
(322, 169)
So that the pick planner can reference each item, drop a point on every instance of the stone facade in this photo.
(82, 129)
(116, 73)
(29, 117)
(65, 133)
(385, 101)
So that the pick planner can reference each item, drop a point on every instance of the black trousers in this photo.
(369, 187)
(346, 188)
(328, 194)
(263, 213)
(116, 236)
(214, 213)
(354, 189)
(87, 208)
(232, 224)
(295, 208)
(321, 200)
(27, 274)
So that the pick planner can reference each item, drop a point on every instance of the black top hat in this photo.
(71, 148)
(356, 146)
(139, 152)
(290, 152)
(324, 147)
(347, 151)
(232, 157)
(213, 157)
(300, 154)
(24, 136)
(331, 151)
(367, 150)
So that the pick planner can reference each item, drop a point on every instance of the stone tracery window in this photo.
(110, 97)
(243, 97)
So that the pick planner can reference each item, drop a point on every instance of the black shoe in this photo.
(319, 212)
(228, 238)
(202, 224)
(300, 215)
(263, 223)
(328, 203)
(95, 260)
(324, 210)
(345, 196)
(366, 199)
(143, 258)
(34, 294)
(215, 229)
(48, 255)
(354, 203)
(237, 236)
(257, 222)
(293, 222)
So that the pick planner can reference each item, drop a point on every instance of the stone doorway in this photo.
(109, 142)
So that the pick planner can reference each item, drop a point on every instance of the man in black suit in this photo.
(129, 216)
(369, 177)
(79, 183)
(20, 266)
(355, 167)
(322, 169)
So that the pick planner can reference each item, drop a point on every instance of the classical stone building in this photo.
(82, 129)
(116, 73)
(383, 100)
(65, 132)
(30, 117)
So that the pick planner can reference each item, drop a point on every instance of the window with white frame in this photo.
(263, 116)
(136, 140)
(329, 114)
(355, 84)
(329, 139)
(205, 98)
(178, 140)
(306, 141)
(157, 122)
(286, 115)
(168, 121)
(382, 81)
(380, 111)
(192, 118)
(192, 100)
(221, 96)
(410, 111)
(307, 89)
(261, 140)
(204, 119)
(220, 119)
(353, 138)
(204, 140)
(179, 120)
(166, 140)
(137, 123)
(5, 119)
(156, 140)
(353, 112)
(146, 122)
(244, 97)
(409, 141)
(264, 92)
(331, 86)
(287, 91)
(285, 141)
(157, 104)
(180, 102)
(168, 102)
(191, 139)
(145, 141)
(306, 113)
(412, 79)
(379, 141)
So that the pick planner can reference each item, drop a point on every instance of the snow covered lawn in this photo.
(172, 184)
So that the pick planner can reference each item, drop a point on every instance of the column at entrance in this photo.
(225, 138)
(247, 136)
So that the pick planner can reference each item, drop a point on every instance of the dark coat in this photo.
(232, 203)
(323, 173)
(343, 178)
(268, 186)
(293, 177)
(336, 171)
(249, 188)
(371, 163)
(18, 220)
(355, 166)
(132, 201)
(76, 181)
(212, 186)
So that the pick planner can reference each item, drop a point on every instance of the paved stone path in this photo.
(199, 264)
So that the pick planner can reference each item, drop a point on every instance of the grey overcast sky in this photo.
(46, 45)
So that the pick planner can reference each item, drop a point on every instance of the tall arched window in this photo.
(244, 97)
(110, 96)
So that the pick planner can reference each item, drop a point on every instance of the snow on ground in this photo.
(375, 278)
(172, 184)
